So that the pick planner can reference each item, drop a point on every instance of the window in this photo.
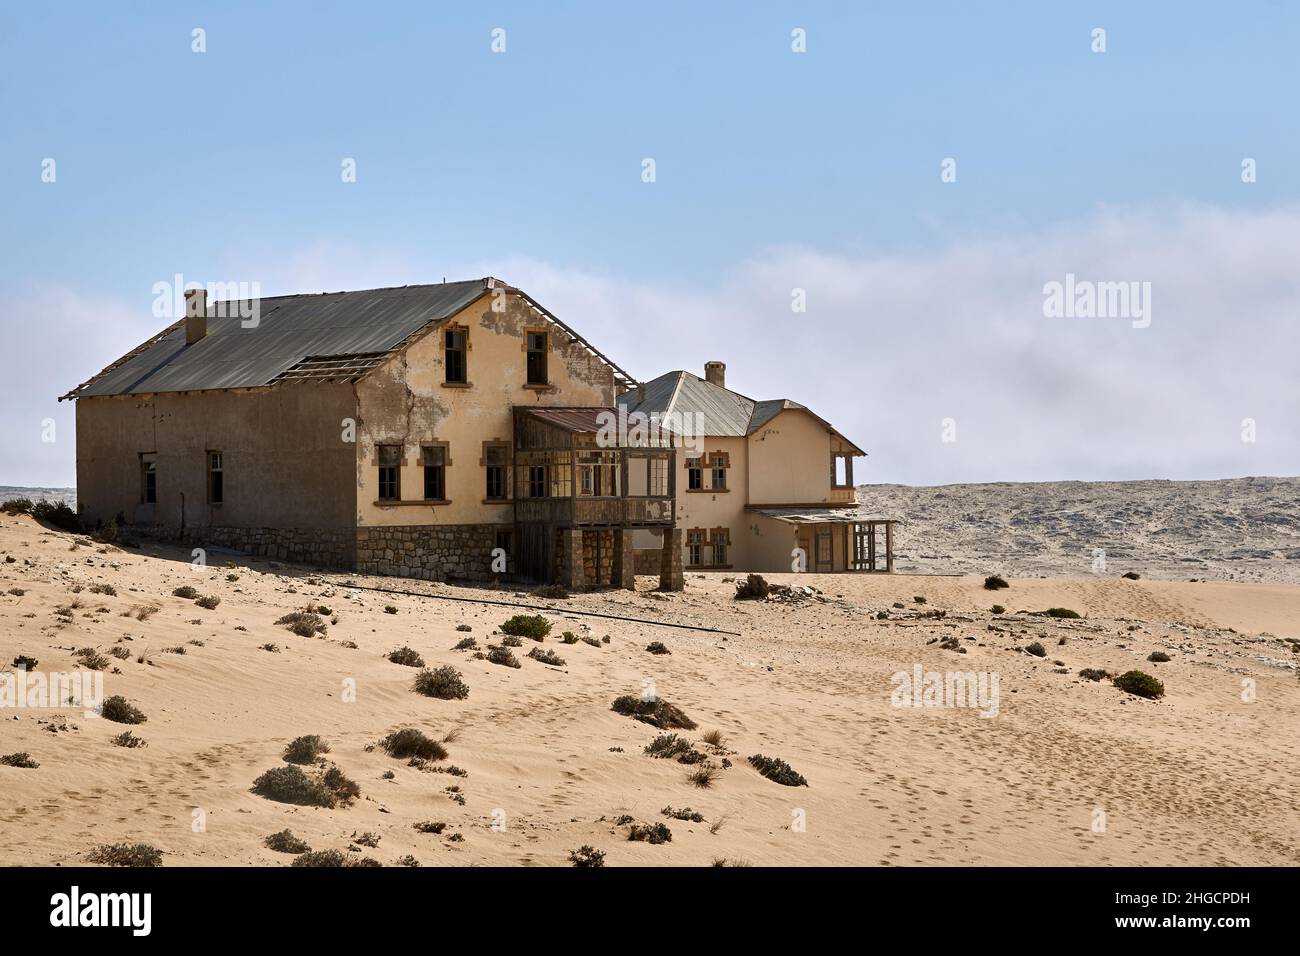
(390, 472)
(494, 463)
(435, 472)
(841, 470)
(825, 545)
(598, 473)
(537, 349)
(720, 461)
(720, 541)
(694, 475)
(658, 478)
(454, 357)
(536, 481)
(148, 480)
(695, 547)
(216, 484)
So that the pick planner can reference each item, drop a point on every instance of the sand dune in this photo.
(1199, 777)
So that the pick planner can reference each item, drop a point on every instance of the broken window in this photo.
(657, 479)
(694, 475)
(537, 349)
(494, 460)
(454, 357)
(435, 473)
(390, 472)
(720, 541)
(216, 483)
(841, 470)
(695, 547)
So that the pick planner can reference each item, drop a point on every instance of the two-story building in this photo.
(769, 489)
(454, 430)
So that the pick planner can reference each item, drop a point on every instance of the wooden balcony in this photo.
(593, 512)
(844, 496)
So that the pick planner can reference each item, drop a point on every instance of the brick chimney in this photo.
(196, 315)
(715, 373)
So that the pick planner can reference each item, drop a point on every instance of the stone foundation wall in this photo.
(328, 548)
(647, 560)
(590, 540)
(430, 552)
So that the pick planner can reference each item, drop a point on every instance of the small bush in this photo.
(208, 602)
(120, 652)
(546, 657)
(568, 637)
(430, 826)
(657, 647)
(389, 609)
(290, 785)
(286, 842)
(1158, 657)
(464, 627)
(527, 625)
(686, 813)
(667, 746)
(17, 506)
(998, 609)
(502, 656)
(24, 662)
(119, 710)
(657, 713)
(554, 591)
(511, 641)
(918, 599)
(445, 683)
(126, 854)
(302, 623)
(777, 770)
(186, 592)
(588, 639)
(406, 656)
(1063, 612)
(103, 589)
(995, 583)
(465, 644)
(410, 742)
(322, 858)
(128, 740)
(703, 776)
(58, 514)
(654, 833)
(1037, 649)
(1131, 575)
(407, 860)
(587, 856)
(1140, 684)
(754, 587)
(305, 749)
(273, 648)
(22, 760)
(91, 658)
(1093, 673)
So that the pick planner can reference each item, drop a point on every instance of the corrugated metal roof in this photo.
(574, 419)
(290, 329)
(724, 413)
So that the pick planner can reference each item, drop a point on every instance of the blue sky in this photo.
(226, 165)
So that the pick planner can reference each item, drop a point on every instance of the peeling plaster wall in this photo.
(405, 401)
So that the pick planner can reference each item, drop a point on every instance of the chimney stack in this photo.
(196, 315)
(715, 373)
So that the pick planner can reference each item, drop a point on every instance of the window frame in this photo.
(695, 474)
(848, 470)
(216, 477)
(429, 450)
(462, 352)
(488, 497)
(396, 481)
(544, 358)
(148, 478)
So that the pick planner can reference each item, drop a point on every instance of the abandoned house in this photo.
(771, 489)
(447, 431)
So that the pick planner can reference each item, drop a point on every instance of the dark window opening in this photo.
(536, 481)
(537, 359)
(216, 479)
(495, 458)
(390, 472)
(695, 548)
(454, 357)
(148, 482)
(694, 474)
(435, 473)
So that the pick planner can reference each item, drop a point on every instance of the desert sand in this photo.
(1202, 776)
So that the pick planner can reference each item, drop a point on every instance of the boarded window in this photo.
(454, 356)
(216, 479)
(390, 472)
(435, 473)
(537, 349)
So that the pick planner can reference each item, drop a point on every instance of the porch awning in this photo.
(823, 515)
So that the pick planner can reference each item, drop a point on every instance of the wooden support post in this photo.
(624, 561)
(671, 577)
(889, 547)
